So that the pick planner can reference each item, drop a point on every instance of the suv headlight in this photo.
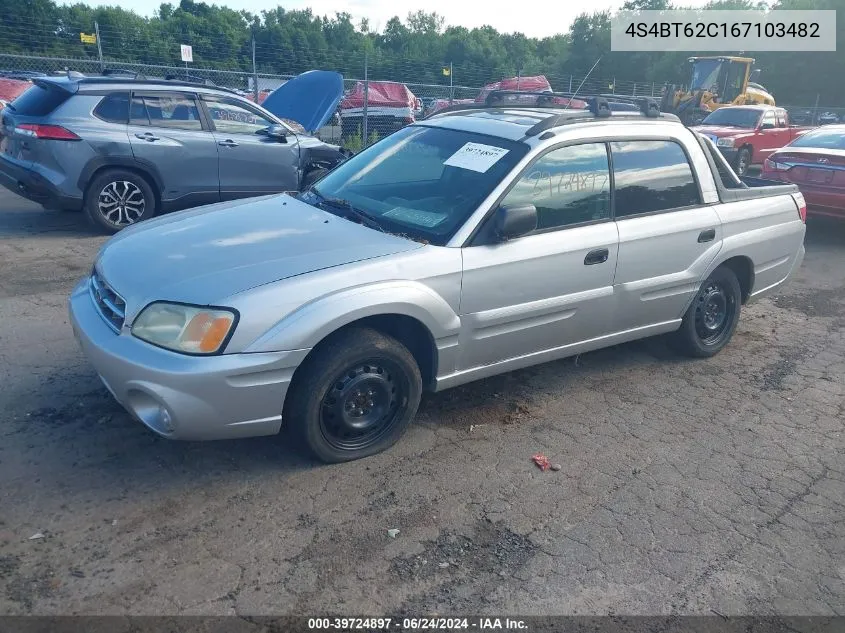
(725, 142)
(185, 328)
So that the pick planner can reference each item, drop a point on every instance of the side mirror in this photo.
(278, 132)
(767, 126)
(515, 221)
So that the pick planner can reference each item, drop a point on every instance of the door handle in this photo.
(147, 136)
(598, 256)
(707, 236)
(228, 143)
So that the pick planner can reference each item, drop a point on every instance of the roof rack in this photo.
(598, 107)
(194, 79)
(122, 72)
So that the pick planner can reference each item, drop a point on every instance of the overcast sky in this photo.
(535, 18)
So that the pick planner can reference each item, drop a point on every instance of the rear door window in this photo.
(39, 100)
(114, 108)
(174, 111)
(651, 176)
(780, 115)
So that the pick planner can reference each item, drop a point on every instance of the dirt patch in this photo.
(816, 303)
(454, 569)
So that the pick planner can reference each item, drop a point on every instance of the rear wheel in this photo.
(711, 320)
(354, 396)
(117, 198)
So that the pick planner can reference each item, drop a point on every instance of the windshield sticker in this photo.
(428, 219)
(476, 157)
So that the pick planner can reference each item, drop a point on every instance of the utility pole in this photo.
(254, 68)
(99, 45)
(451, 84)
(366, 98)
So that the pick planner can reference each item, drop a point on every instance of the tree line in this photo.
(414, 49)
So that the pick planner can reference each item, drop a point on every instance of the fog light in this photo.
(165, 420)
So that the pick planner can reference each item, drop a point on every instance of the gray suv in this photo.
(124, 150)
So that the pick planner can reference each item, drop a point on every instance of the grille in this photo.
(111, 305)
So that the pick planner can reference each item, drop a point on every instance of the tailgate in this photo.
(32, 107)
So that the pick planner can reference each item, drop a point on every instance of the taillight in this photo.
(47, 132)
(802, 206)
(771, 165)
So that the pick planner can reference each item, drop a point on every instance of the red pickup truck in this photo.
(746, 135)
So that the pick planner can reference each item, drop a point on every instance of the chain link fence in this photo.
(356, 126)
(350, 127)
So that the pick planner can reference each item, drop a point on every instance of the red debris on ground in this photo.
(542, 461)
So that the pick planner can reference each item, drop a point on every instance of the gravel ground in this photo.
(685, 487)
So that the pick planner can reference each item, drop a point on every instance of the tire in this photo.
(354, 396)
(311, 177)
(711, 319)
(109, 186)
(743, 161)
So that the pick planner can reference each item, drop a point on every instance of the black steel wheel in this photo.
(353, 396)
(362, 404)
(711, 319)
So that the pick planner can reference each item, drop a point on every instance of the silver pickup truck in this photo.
(475, 242)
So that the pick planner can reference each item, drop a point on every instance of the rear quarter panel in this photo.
(63, 163)
(768, 231)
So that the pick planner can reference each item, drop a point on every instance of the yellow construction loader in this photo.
(715, 82)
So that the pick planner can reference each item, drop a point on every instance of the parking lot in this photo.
(685, 486)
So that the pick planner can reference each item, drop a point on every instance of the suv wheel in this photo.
(117, 198)
(354, 396)
(711, 320)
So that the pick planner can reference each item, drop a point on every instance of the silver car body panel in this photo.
(296, 274)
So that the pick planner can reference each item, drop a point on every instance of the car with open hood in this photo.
(469, 244)
(125, 149)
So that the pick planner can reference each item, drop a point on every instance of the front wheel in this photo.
(354, 396)
(743, 161)
(711, 320)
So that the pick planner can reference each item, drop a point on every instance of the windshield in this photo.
(705, 74)
(423, 182)
(731, 117)
(825, 139)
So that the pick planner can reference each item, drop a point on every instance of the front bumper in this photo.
(185, 397)
(33, 186)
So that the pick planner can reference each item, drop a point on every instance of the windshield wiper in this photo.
(349, 211)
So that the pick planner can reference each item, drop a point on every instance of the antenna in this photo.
(582, 82)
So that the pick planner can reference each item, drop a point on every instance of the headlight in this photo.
(183, 328)
(725, 142)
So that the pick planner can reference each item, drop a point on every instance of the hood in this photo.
(310, 99)
(205, 255)
(720, 131)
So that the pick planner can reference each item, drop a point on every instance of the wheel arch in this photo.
(409, 331)
(411, 312)
(743, 268)
(97, 166)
